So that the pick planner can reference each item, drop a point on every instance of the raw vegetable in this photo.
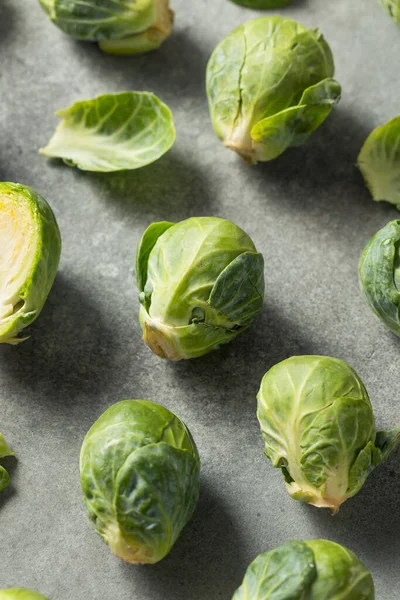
(113, 132)
(20, 594)
(140, 479)
(312, 570)
(269, 86)
(119, 26)
(5, 450)
(29, 257)
(318, 427)
(201, 283)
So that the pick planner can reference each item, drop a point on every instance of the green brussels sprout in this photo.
(379, 274)
(201, 282)
(318, 427)
(269, 86)
(113, 132)
(119, 26)
(5, 450)
(262, 4)
(379, 162)
(31, 247)
(20, 594)
(140, 479)
(311, 570)
(393, 8)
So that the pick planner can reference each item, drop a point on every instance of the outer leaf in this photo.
(238, 292)
(293, 126)
(113, 132)
(379, 162)
(4, 478)
(379, 274)
(20, 594)
(145, 246)
(5, 449)
(393, 8)
(35, 250)
(386, 442)
(263, 4)
(285, 573)
(340, 574)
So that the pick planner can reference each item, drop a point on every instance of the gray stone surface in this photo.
(310, 215)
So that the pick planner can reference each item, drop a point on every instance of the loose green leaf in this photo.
(201, 284)
(269, 86)
(120, 26)
(30, 250)
(140, 478)
(113, 132)
(318, 427)
(379, 162)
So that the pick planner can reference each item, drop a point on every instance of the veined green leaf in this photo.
(113, 132)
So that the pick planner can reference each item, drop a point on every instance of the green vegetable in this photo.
(269, 86)
(312, 570)
(113, 132)
(379, 162)
(5, 450)
(30, 252)
(262, 4)
(140, 479)
(20, 594)
(318, 427)
(393, 8)
(379, 274)
(201, 282)
(119, 26)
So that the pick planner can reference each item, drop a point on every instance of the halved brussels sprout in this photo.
(269, 86)
(311, 570)
(119, 26)
(318, 427)
(113, 132)
(201, 282)
(20, 594)
(393, 8)
(30, 252)
(5, 450)
(379, 162)
(379, 275)
(140, 479)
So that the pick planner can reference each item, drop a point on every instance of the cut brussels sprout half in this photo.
(318, 427)
(20, 594)
(312, 570)
(393, 8)
(269, 86)
(119, 26)
(379, 275)
(201, 282)
(140, 479)
(113, 132)
(379, 162)
(262, 4)
(30, 252)
(5, 450)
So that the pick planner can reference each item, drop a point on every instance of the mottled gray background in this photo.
(310, 215)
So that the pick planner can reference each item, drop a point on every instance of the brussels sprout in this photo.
(379, 162)
(140, 479)
(5, 450)
(379, 275)
(318, 427)
(113, 132)
(312, 570)
(201, 282)
(119, 26)
(262, 4)
(31, 247)
(393, 8)
(20, 594)
(269, 86)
